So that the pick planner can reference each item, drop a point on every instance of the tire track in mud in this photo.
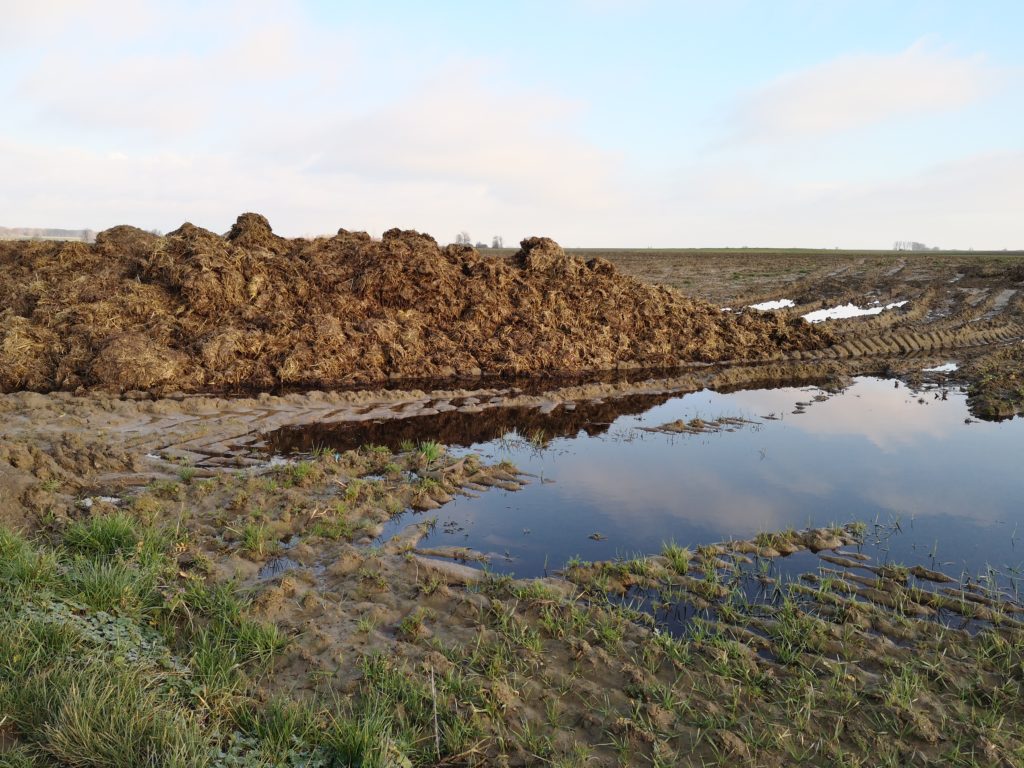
(909, 341)
(942, 315)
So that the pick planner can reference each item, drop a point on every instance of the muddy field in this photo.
(171, 596)
(964, 304)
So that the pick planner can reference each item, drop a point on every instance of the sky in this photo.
(600, 123)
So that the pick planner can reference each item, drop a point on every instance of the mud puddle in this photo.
(609, 480)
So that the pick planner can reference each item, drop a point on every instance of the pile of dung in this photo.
(250, 310)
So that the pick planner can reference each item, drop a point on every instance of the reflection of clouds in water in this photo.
(644, 501)
(917, 499)
(870, 453)
(794, 479)
(888, 417)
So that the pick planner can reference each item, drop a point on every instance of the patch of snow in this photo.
(765, 306)
(944, 368)
(848, 310)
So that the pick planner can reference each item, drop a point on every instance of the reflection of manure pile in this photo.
(460, 428)
(698, 426)
(194, 310)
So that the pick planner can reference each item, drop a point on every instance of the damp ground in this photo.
(760, 576)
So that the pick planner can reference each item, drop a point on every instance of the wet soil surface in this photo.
(968, 303)
(689, 653)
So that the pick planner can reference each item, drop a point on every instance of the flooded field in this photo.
(607, 486)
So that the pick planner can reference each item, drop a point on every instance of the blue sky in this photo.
(597, 122)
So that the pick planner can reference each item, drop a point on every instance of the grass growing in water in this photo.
(430, 450)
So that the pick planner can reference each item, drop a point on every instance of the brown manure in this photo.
(198, 311)
(133, 361)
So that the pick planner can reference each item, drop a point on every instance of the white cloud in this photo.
(317, 128)
(167, 84)
(25, 24)
(516, 145)
(972, 201)
(892, 423)
(853, 91)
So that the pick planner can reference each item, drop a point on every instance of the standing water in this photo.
(877, 452)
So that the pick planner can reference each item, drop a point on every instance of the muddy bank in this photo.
(255, 632)
(196, 311)
(997, 384)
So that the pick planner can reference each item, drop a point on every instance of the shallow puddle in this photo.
(276, 566)
(606, 486)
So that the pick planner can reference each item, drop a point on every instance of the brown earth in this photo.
(194, 311)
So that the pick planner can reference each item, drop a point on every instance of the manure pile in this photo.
(195, 311)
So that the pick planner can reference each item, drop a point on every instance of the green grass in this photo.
(364, 736)
(102, 665)
(114, 586)
(333, 528)
(93, 715)
(103, 536)
(410, 627)
(279, 727)
(110, 656)
(24, 570)
(430, 450)
(256, 540)
(678, 557)
(300, 473)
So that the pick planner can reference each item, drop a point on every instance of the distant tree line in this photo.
(46, 233)
(912, 245)
(463, 238)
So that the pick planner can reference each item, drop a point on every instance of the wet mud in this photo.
(709, 655)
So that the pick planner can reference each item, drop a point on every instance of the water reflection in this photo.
(886, 413)
(872, 452)
(458, 428)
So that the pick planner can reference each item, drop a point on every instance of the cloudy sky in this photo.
(597, 122)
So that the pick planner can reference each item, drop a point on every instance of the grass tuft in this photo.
(102, 536)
